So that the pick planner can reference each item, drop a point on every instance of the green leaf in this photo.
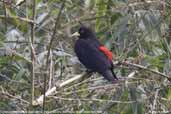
(19, 74)
(169, 94)
(18, 56)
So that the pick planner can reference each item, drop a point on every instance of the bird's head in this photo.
(84, 32)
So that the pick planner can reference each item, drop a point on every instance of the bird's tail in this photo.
(109, 75)
(114, 75)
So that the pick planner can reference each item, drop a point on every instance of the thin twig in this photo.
(32, 51)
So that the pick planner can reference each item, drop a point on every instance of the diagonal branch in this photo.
(49, 49)
(144, 68)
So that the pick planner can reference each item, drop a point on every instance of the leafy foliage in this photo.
(135, 31)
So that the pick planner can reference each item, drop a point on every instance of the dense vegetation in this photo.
(37, 52)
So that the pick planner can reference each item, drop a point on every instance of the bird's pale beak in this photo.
(75, 34)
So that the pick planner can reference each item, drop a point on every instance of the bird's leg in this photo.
(119, 79)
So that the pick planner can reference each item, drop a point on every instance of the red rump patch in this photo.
(106, 52)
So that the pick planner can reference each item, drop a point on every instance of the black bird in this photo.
(93, 55)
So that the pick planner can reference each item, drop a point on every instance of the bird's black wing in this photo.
(90, 56)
